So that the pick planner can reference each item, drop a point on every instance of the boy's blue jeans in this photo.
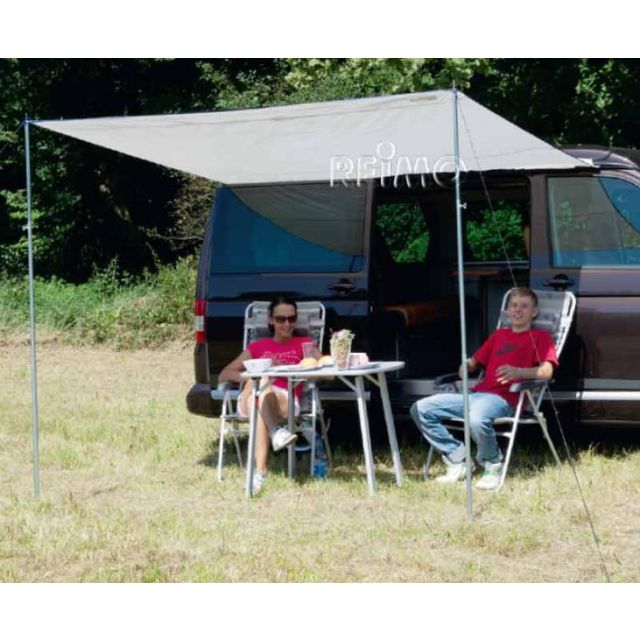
(428, 413)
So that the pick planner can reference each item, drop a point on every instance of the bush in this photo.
(112, 308)
(404, 230)
(498, 236)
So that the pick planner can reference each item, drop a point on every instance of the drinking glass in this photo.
(308, 349)
(340, 350)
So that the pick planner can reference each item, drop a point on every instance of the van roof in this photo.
(605, 157)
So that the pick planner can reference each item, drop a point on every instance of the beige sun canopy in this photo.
(329, 141)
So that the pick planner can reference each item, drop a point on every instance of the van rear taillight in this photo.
(200, 308)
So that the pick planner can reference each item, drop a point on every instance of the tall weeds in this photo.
(112, 308)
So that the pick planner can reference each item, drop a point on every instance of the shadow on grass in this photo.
(610, 442)
(348, 463)
(531, 454)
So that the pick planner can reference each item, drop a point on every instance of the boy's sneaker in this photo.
(491, 477)
(282, 438)
(455, 471)
(258, 482)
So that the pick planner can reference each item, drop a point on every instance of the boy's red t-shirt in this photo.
(289, 352)
(504, 346)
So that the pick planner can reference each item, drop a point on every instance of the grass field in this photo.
(129, 494)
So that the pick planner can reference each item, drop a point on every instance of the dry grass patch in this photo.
(129, 494)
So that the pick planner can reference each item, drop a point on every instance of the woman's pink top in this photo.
(289, 352)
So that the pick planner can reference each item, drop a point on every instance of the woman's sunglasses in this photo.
(282, 319)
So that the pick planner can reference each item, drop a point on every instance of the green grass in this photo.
(111, 308)
(129, 494)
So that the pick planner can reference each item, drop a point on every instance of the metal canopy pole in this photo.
(35, 429)
(463, 323)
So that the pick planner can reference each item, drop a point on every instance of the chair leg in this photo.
(512, 435)
(221, 448)
(226, 408)
(324, 427)
(236, 442)
(507, 458)
(427, 464)
(314, 413)
(325, 438)
(308, 430)
(545, 431)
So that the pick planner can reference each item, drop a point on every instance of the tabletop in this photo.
(294, 371)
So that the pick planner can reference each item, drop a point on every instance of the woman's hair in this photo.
(282, 300)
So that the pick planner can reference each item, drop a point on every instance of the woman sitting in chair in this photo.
(273, 404)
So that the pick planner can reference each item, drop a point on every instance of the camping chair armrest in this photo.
(528, 385)
(445, 380)
(449, 380)
(224, 390)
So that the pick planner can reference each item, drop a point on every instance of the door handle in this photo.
(560, 282)
(342, 287)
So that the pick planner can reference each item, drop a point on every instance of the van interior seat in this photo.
(412, 315)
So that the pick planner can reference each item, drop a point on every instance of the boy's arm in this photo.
(507, 373)
(480, 357)
(472, 365)
(542, 371)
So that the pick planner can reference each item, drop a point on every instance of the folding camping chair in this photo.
(555, 315)
(311, 321)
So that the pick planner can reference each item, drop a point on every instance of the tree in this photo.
(93, 205)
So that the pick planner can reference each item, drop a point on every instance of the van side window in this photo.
(310, 228)
(403, 228)
(594, 222)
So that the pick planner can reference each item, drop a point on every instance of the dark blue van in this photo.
(382, 258)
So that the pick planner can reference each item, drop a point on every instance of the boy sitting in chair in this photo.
(509, 355)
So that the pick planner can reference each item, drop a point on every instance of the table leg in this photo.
(391, 429)
(290, 418)
(253, 427)
(366, 436)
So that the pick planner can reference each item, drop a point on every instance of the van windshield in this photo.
(282, 228)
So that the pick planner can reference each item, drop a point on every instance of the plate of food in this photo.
(294, 368)
(284, 368)
(368, 365)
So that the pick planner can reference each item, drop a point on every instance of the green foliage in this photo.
(47, 242)
(315, 79)
(92, 205)
(404, 231)
(112, 307)
(565, 101)
(416, 250)
(498, 235)
(189, 212)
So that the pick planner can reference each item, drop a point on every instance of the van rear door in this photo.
(306, 240)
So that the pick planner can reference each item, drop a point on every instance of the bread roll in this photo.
(308, 363)
(325, 361)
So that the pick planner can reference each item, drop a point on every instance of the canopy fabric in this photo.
(327, 141)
